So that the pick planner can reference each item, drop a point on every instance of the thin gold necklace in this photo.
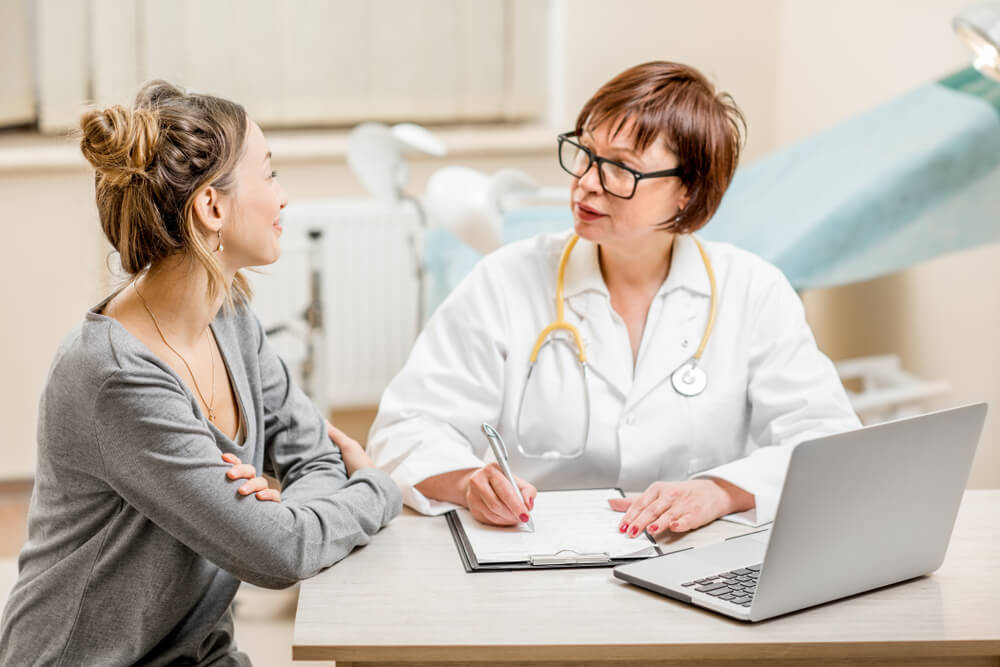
(208, 404)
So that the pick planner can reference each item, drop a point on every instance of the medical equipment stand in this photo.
(313, 365)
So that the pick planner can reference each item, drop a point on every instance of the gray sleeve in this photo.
(164, 462)
(297, 448)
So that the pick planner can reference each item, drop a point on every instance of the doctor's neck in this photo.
(642, 265)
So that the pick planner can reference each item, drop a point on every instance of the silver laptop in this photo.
(858, 510)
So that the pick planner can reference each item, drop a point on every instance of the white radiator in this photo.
(369, 295)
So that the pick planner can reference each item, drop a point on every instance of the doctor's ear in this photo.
(684, 199)
(211, 207)
(681, 205)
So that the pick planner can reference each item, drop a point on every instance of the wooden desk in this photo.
(405, 599)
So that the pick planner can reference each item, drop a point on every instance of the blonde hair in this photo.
(150, 160)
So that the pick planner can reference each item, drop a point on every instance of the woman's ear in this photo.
(684, 199)
(210, 209)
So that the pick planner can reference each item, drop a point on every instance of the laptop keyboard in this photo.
(736, 586)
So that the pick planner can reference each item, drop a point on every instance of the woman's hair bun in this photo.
(120, 143)
(152, 158)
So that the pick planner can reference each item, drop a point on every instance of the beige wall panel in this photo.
(259, 67)
(214, 32)
(415, 73)
(62, 63)
(50, 267)
(114, 51)
(527, 31)
(325, 52)
(163, 42)
(17, 103)
(479, 57)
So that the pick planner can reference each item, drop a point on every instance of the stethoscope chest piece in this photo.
(689, 379)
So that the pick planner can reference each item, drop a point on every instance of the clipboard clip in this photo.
(570, 557)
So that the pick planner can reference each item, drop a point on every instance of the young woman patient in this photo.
(144, 518)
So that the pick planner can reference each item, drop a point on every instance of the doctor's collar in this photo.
(583, 271)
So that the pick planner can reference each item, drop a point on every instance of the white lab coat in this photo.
(769, 387)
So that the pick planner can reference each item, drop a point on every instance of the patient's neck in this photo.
(176, 290)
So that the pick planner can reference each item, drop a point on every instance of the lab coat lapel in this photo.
(676, 320)
(609, 355)
(673, 340)
(588, 306)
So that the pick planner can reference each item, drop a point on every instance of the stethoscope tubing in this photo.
(688, 379)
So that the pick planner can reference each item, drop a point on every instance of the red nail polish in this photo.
(524, 518)
(653, 528)
(635, 531)
(622, 528)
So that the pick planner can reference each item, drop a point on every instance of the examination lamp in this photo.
(375, 155)
(470, 204)
(979, 27)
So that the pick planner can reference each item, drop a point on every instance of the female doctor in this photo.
(679, 368)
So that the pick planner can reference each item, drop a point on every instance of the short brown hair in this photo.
(150, 160)
(703, 128)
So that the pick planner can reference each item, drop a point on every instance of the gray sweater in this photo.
(137, 541)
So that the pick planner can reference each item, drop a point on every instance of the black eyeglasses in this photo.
(617, 179)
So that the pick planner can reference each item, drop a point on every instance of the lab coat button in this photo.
(630, 420)
(684, 343)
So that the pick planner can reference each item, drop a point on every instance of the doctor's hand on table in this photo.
(679, 506)
(486, 492)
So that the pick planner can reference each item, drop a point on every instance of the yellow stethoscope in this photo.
(688, 379)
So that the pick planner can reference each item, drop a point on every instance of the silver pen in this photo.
(500, 453)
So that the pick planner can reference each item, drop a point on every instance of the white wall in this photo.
(735, 44)
(837, 59)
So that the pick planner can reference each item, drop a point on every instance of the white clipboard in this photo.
(573, 528)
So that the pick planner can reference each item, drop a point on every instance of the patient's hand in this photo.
(257, 485)
(351, 451)
(680, 506)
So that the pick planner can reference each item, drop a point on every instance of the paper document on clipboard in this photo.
(572, 529)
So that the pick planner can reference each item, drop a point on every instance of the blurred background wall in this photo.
(794, 66)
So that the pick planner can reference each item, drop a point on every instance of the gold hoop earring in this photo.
(220, 248)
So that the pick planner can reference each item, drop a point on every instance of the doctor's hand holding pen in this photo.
(351, 451)
(679, 506)
(486, 492)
